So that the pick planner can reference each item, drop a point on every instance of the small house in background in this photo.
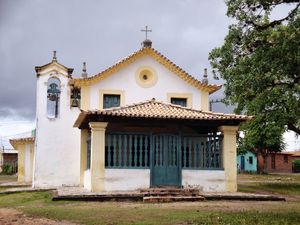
(247, 162)
(279, 162)
(8, 157)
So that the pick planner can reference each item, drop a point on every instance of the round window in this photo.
(146, 77)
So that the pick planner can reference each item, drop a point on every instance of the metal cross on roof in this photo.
(146, 31)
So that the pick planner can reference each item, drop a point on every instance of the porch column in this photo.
(229, 156)
(83, 156)
(97, 155)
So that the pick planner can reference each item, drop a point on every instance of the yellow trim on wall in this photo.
(78, 82)
(204, 101)
(151, 75)
(103, 92)
(85, 97)
(21, 163)
(188, 96)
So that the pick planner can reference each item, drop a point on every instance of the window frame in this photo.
(178, 99)
(188, 96)
(112, 96)
(251, 160)
(103, 92)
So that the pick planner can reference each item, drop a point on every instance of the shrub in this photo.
(9, 169)
(296, 165)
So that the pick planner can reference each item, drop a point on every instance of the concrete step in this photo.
(156, 199)
(170, 191)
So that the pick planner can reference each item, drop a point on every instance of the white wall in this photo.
(125, 80)
(126, 179)
(121, 179)
(57, 142)
(87, 180)
(205, 180)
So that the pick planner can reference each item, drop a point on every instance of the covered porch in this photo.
(155, 144)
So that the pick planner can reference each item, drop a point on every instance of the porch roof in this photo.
(154, 109)
(20, 141)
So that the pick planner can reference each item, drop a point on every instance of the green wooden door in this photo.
(165, 165)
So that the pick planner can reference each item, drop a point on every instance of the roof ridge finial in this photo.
(54, 59)
(146, 42)
(205, 79)
(84, 73)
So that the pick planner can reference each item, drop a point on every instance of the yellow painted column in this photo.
(97, 155)
(229, 157)
(83, 154)
(21, 163)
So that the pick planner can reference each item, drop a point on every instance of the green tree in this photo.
(260, 62)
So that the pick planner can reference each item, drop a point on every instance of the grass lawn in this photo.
(208, 212)
(283, 184)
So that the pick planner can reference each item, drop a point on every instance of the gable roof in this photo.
(160, 58)
(39, 69)
(159, 110)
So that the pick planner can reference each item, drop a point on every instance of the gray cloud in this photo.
(100, 33)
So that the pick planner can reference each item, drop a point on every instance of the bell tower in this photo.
(56, 160)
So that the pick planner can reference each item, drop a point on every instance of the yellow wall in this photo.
(85, 97)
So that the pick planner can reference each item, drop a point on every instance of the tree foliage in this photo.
(260, 62)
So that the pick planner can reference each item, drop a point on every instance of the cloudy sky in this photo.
(100, 33)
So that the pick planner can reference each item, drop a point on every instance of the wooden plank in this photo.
(135, 150)
(195, 152)
(146, 151)
(130, 150)
(108, 149)
(125, 155)
(114, 151)
(141, 151)
(120, 151)
(190, 152)
(215, 152)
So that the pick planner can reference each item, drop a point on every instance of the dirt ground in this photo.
(14, 217)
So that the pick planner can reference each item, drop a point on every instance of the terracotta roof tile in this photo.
(160, 110)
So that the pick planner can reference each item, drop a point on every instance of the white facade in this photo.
(57, 152)
(57, 142)
(125, 80)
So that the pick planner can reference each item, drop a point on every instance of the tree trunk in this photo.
(264, 163)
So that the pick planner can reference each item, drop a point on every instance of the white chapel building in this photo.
(143, 122)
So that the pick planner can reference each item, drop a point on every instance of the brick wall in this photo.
(281, 166)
